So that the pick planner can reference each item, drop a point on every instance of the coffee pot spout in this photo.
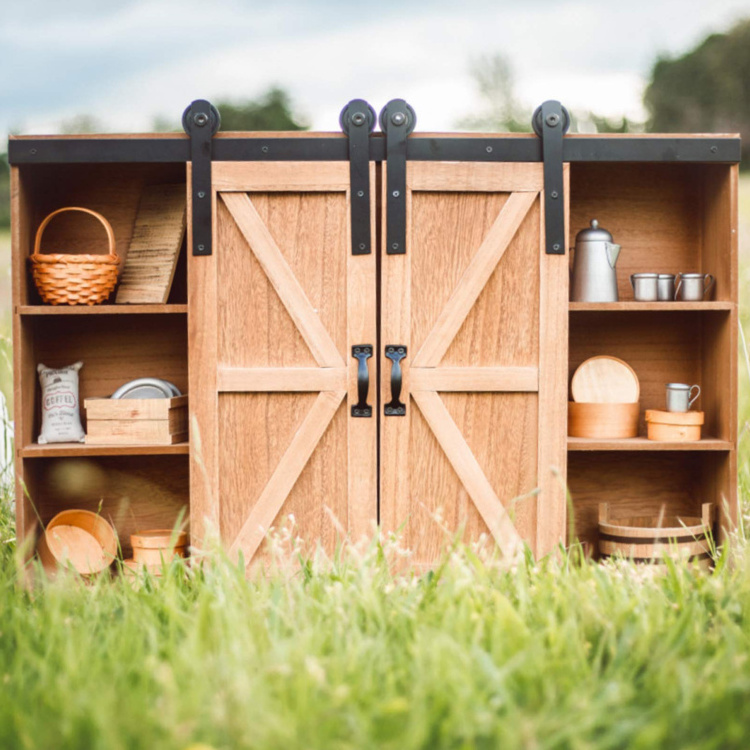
(613, 253)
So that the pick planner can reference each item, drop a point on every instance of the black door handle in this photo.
(395, 408)
(362, 353)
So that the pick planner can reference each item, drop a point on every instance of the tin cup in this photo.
(679, 396)
(665, 284)
(692, 287)
(645, 286)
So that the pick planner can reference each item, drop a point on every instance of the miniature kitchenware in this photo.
(142, 412)
(605, 390)
(533, 336)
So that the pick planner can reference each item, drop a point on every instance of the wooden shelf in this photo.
(101, 309)
(632, 306)
(62, 450)
(644, 444)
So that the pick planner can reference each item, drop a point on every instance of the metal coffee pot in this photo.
(594, 260)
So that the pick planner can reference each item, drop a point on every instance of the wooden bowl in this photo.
(650, 538)
(603, 420)
(78, 538)
(155, 546)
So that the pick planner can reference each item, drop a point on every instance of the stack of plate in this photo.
(147, 388)
(605, 405)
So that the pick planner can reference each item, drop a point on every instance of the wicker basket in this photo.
(74, 279)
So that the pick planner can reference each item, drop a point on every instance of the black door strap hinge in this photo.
(397, 120)
(357, 121)
(200, 121)
(551, 121)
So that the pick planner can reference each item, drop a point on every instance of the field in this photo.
(556, 654)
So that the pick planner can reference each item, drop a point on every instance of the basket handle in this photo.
(107, 227)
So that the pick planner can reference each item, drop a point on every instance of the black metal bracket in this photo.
(362, 353)
(550, 122)
(395, 407)
(397, 120)
(200, 121)
(357, 121)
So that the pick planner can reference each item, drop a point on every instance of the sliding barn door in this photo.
(474, 319)
(275, 315)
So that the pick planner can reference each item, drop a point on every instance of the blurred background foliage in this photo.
(707, 89)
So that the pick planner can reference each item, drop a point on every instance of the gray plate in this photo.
(146, 388)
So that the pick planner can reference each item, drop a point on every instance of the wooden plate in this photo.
(605, 380)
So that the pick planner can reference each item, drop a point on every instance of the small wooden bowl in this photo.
(603, 420)
(156, 546)
(672, 426)
(79, 538)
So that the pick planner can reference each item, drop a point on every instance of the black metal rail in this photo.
(395, 145)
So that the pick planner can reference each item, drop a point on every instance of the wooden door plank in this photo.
(553, 390)
(280, 176)
(474, 279)
(395, 484)
(283, 279)
(469, 471)
(203, 347)
(362, 460)
(281, 379)
(507, 379)
(482, 177)
(286, 474)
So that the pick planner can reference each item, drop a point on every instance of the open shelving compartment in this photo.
(668, 218)
(133, 486)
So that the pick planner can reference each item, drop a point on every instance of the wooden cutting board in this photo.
(605, 380)
(155, 247)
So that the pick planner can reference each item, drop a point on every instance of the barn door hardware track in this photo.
(200, 121)
(551, 121)
(357, 120)
(397, 120)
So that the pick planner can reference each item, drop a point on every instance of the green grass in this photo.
(342, 655)
(558, 654)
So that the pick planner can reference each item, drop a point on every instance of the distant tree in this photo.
(705, 90)
(82, 124)
(495, 82)
(273, 110)
(501, 112)
(4, 192)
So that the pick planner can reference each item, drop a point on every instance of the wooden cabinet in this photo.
(470, 330)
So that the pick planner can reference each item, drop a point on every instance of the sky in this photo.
(127, 61)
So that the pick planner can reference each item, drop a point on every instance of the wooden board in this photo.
(476, 302)
(272, 372)
(605, 380)
(158, 235)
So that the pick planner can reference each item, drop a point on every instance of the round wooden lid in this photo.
(682, 418)
(77, 547)
(605, 380)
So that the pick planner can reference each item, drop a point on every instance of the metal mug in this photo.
(679, 396)
(693, 286)
(665, 284)
(645, 287)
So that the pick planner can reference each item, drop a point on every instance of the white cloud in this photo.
(154, 56)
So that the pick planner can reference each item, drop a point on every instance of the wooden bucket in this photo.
(82, 279)
(650, 538)
(78, 538)
(603, 420)
(157, 546)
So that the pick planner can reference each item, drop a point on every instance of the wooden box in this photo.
(136, 421)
